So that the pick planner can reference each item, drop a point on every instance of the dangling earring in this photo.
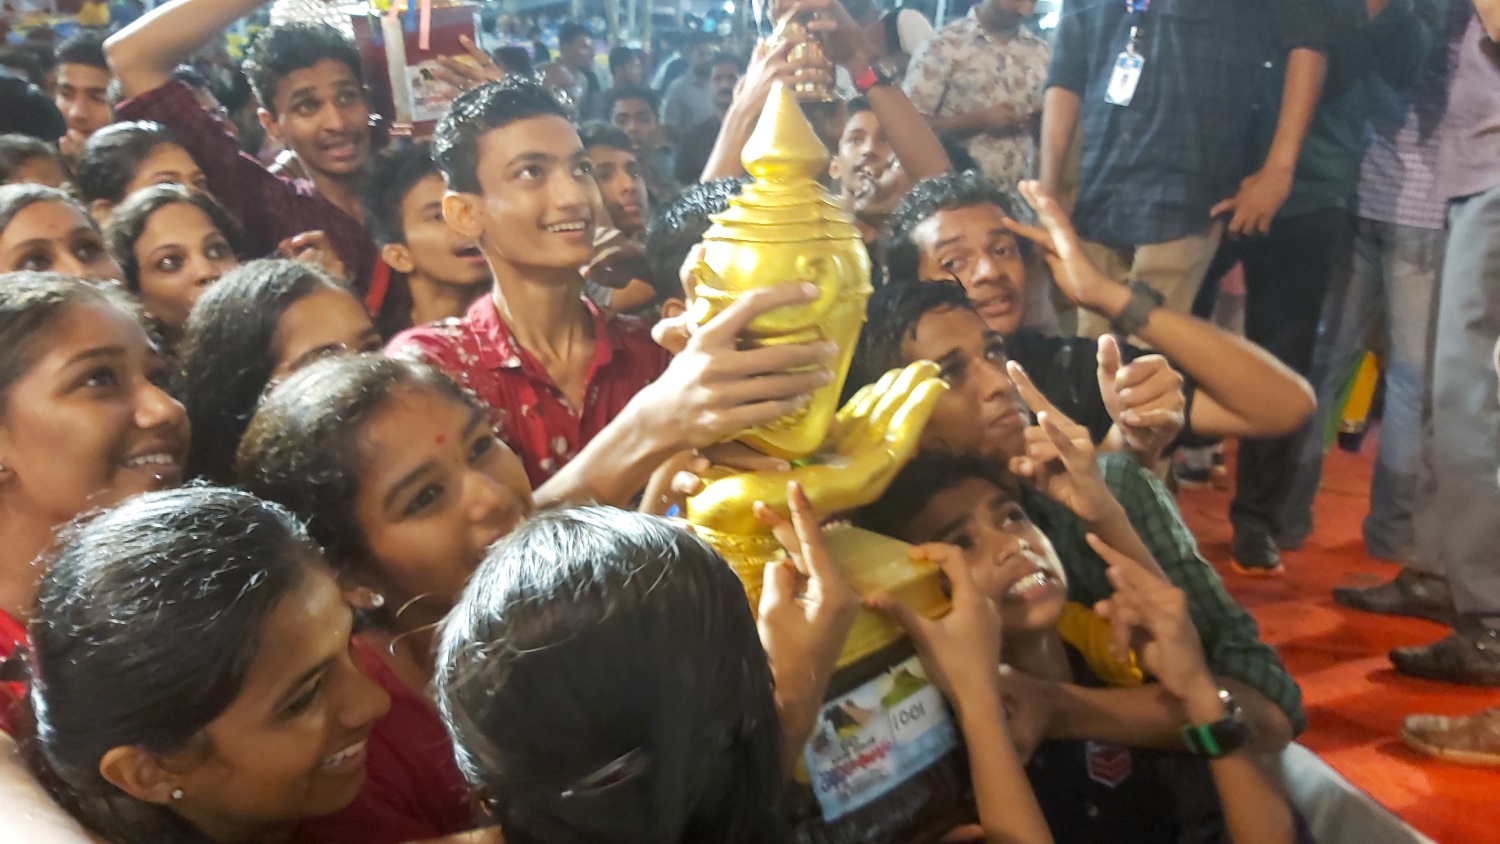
(176, 794)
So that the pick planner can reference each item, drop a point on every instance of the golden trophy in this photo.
(882, 764)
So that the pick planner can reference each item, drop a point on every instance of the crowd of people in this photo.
(340, 476)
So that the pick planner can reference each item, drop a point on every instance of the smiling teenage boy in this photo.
(310, 84)
(590, 403)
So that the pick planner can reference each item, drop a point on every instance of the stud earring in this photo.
(176, 794)
(377, 600)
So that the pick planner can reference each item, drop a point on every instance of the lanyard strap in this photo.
(1137, 11)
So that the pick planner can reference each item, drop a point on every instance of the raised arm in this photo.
(1242, 389)
(770, 64)
(914, 142)
(144, 53)
(1150, 614)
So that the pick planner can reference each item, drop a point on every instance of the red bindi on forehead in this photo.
(440, 439)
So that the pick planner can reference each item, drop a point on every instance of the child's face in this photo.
(1012, 561)
(534, 208)
(981, 413)
(433, 249)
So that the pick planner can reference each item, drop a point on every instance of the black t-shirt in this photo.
(694, 149)
(1066, 370)
(1103, 793)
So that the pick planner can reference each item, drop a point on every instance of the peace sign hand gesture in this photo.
(1060, 457)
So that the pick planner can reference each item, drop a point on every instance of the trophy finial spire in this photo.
(783, 143)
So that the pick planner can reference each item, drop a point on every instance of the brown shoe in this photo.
(1410, 593)
(1469, 740)
(1470, 655)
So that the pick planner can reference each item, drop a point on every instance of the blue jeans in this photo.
(1388, 286)
(1458, 530)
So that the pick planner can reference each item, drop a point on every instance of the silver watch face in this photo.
(886, 70)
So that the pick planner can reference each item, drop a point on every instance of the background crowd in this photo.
(339, 472)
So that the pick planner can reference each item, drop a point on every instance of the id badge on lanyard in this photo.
(1127, 72)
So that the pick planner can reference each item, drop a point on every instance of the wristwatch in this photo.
(1222, 737)
(1143, 300)
(882, 71)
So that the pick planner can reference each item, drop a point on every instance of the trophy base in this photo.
(879, 565)
(873, 564)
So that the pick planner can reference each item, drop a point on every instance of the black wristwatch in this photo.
(1143, 300)
(1222, 737)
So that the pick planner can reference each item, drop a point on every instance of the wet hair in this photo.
(891, 316)
(129, 221)
(602, 680)
(281, 50)
(302, 448)
(630, 92)
(83, 47)
(475, 114)
(393, 175)
(16, 150)
(17, 198)
(144, 630)
(31, 303)
(225, 359)
(929, 196)
(513, 60)
(597, 133)
(569, 31)
(111, 157)
(675, 229)
(928, 474)
(619, 57)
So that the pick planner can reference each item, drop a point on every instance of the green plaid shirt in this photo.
(1231, 640)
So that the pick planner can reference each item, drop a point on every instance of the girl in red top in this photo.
(84, 423)
(402, 481)
(191, 675)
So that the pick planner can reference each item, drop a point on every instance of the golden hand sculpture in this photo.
(873, 436)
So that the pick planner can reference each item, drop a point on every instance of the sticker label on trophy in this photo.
(868, 742)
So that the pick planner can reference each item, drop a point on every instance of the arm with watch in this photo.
(1151, 615)
(878, 80)
(1243, 391)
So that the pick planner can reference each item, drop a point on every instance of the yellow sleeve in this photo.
(1082, 628)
